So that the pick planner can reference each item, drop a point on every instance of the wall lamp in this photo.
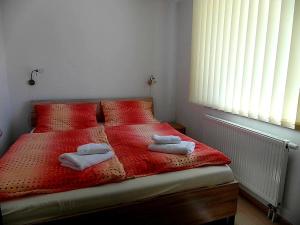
(152, 80)
(35, 72)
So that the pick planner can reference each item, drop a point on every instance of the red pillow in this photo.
(62, 117)
(127, 112)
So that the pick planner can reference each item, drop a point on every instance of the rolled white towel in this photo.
(166, 139)
(93, 148)
(81, 162)
(183, 148)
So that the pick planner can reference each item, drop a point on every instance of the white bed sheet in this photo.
(52, 206)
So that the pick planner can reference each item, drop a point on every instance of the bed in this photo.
(190, 196)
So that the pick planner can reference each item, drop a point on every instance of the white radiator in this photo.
(259, 161)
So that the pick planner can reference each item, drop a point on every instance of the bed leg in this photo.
(1, 219)
(230, 220)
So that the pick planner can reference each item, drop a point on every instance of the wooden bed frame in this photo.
(192, 207)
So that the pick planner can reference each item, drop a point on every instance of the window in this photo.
(246, 58)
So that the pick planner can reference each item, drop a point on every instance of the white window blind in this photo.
(246, 58)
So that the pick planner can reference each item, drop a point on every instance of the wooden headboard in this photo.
(100, 116)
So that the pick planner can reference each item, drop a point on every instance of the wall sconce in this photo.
(152, 80)
(31, 81)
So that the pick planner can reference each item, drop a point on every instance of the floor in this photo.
(248, 214)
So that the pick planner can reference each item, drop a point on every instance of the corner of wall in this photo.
(5, 104)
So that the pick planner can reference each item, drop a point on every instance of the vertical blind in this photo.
(244, 58)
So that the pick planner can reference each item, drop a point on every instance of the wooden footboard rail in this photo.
(193, 207)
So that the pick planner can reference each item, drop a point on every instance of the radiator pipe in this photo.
(292, 146)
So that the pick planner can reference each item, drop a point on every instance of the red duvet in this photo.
(31, 165)
(130, 143)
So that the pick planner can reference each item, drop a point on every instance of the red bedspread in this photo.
(31, 165)
(130, 143)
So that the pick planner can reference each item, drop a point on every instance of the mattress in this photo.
(41, 208)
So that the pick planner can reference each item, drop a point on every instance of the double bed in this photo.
(174, 194)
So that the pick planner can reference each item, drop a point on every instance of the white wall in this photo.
(89, 49)
(193, 115)
(5, 119)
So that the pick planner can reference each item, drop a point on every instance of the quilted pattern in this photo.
(130, 143)
(31, 165)
(127, 112)
(63, 117)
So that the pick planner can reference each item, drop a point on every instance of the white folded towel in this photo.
(93, 148)
(183, 148)
(166, 139)
(81, 162)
